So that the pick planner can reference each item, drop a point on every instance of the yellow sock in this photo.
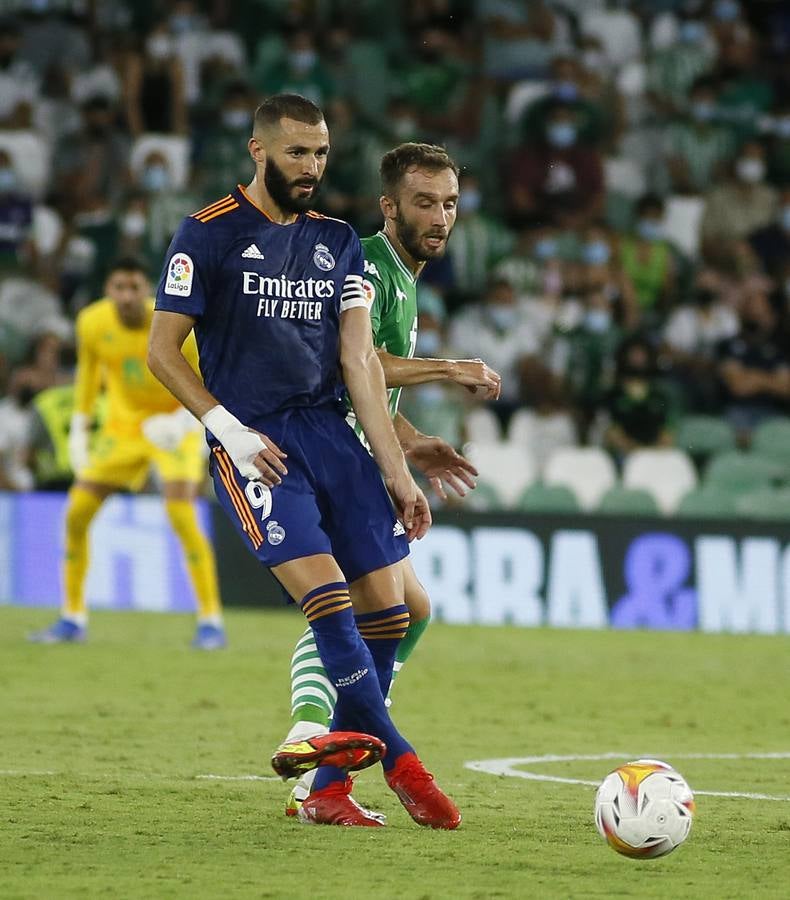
(82, 507)
(199, 557)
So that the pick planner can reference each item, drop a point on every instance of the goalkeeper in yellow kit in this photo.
(143, 427)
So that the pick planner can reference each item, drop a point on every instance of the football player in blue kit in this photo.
(274, 293)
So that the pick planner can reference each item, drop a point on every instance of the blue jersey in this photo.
(267, 300)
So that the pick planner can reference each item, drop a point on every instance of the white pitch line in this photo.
(18, 773)
(239, 777)
(507, 767)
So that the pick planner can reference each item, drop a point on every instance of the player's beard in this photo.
(410, 238)
(281, 189)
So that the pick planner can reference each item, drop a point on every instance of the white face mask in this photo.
(750, 170)
(133, 224)
(159, 47)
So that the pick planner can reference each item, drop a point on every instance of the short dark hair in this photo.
(397, 162)
(127, 264)
(287, 106)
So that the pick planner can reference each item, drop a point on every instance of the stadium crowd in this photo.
(622, 249)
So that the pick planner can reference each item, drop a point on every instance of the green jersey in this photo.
(391, 290)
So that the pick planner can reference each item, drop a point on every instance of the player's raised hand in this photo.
(477, 378)
(438, 461)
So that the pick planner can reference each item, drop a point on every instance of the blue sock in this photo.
(352, 670)
(382, 632)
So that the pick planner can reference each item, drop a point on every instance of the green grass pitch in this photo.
(101, 747)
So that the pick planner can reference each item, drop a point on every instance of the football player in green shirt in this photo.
(420, 196)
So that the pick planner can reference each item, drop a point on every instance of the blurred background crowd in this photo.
(622, 249)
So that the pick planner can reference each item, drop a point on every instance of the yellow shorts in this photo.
(125, 462)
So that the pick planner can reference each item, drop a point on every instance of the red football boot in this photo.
(334, 805)
(420, 794)
(349, 750)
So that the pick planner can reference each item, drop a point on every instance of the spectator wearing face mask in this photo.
(672, 71)
(692, 335)
(435, 408)
(497, 330)
(222, 157)
(300, 72)
(647, 258)
(582, 351)
(556, 180)
(566, 85)
(745, 94)
(154, 87)
(638, 407)
(753, 368)
(771, 243)
(598, 269)
(695, 147)
(154, 209)
(741, 205)
(479, 241)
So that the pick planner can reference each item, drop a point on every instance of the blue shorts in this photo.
(331, 501)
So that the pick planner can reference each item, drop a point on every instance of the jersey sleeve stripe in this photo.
(207, 209)
(218, 212)
(248, 523)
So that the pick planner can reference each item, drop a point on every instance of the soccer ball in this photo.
(643, 809)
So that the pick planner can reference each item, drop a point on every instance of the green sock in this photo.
(407, 645)
(313, 695)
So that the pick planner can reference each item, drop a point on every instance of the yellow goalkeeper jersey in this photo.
(111, 358)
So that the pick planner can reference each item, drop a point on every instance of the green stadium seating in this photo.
(484, 498)
(702, 436)
(547, 498)
(739, 473)
(767, 503)
(771, 440)
(625, 501)
(708, 502)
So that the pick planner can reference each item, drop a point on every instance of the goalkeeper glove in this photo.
(78, 442)
(167, 430)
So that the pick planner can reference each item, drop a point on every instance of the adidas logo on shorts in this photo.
(398, 529)
(252, 252)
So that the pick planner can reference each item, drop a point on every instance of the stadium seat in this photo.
(702, 436)
(707, 502)
(665, 473)
(588, 471)
(766, 503)
(548, 498)
(628, 502)
(542, 435)
(505, 466)
(740, 473)
(482, 426)
(175, 149)
(484, 498)
(771, 440)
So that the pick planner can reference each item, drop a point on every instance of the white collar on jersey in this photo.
(401, 264)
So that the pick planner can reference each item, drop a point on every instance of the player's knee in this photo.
(418, 602)
(181, 514)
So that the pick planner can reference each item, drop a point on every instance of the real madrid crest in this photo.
(323, 258)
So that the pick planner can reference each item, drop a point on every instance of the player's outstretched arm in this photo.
(365, 382)
(473, 374)
(253, 454)
(435, 458)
